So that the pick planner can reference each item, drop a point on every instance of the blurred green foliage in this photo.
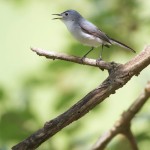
(34, 90)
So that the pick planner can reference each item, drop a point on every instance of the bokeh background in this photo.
(34, 89)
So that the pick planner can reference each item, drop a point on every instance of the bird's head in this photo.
(69, 15)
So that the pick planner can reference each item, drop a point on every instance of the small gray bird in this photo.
(86, 32)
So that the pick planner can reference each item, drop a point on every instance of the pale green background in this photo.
(34, 90)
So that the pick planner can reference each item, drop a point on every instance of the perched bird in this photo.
(86, 32)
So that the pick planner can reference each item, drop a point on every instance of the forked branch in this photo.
(122, 126)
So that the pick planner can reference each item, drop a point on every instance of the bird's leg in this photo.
(87, 53)
(100, 57)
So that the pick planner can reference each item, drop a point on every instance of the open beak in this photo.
(57, 15)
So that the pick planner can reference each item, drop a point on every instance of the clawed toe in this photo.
(82, 59)
(98, 60)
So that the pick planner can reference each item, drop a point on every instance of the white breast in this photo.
(81, 36)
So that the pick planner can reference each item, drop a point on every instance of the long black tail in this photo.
(113, 41)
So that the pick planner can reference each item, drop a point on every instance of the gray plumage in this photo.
(86, 32)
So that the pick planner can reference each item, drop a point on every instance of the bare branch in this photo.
(118, 77)
(123, 124)
(86, 61)
(129, 135)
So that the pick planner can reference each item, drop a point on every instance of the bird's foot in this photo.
(98, 60)
(82, 59)
(97, 63)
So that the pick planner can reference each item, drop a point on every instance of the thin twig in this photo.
(118, 77)
(129, 135)
(123, 124)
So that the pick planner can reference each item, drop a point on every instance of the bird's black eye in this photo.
(66, 14)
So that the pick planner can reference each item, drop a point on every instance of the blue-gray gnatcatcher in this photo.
(86, 32)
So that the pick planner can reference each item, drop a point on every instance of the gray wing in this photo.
(90, 28)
